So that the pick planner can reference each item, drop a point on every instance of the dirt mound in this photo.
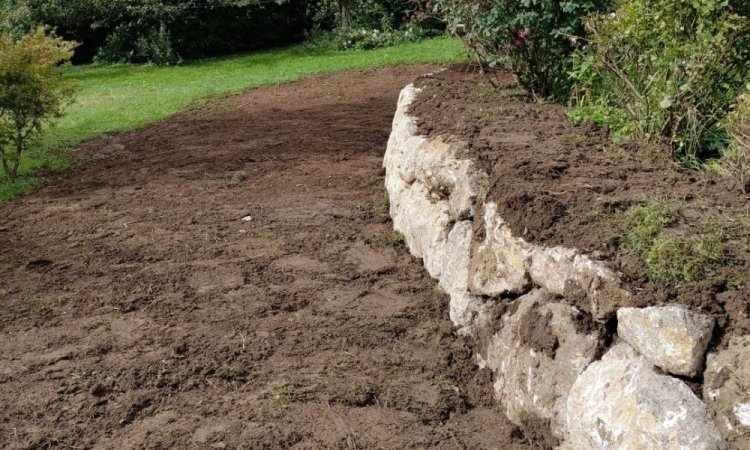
(229, 279)
(557, 183)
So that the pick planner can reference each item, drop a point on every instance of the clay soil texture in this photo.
(556, 183)
(229, 279)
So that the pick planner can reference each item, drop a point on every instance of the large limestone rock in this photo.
(498, 265)
(432, 199)
(504, 264)
(451, 261)
(670, 337)
(622, 403)
(537, 355)
(566, 272)
(726, 391)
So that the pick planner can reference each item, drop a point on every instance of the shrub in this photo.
(736, 160)
(133, 43)
(364, 39)
(664, 70)
(31, 91)
(369, 24)
(532, 38)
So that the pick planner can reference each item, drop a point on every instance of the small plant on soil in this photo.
(32, 91)
(362, 395)
(378, 206)
(664, 70)
(235, 371)
(533, 39)
(669, 253)
(389, 239)
(287, 393)
(736, 160)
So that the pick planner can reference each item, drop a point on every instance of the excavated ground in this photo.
(557, 183)
(139, 310)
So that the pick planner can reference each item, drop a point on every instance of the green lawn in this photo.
(118, 98)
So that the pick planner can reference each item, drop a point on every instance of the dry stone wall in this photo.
(549, 354)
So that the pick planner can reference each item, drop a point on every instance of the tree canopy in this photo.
(165, 31)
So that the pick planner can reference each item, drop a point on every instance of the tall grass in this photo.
(736, 160)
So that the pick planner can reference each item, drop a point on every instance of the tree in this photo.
(158, 31)
(345, 12)
(32, 91)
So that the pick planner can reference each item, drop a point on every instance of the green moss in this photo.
(692, 253)
(644, 223)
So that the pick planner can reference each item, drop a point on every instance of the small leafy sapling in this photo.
(534, 39)
(32, 91)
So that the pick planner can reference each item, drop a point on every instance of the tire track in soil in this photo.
(139, 310)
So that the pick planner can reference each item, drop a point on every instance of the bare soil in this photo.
(557, 183)
(228, 278)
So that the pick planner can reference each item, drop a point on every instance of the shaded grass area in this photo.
(121, 98)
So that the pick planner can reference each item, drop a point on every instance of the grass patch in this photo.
(288, 393)
(388, 239)
(376, 207)
(125, 97)
(493, 94)
(644, 223)
(672, 253)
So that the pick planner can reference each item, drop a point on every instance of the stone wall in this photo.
(539, 317)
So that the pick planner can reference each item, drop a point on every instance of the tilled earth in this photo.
(228, 278)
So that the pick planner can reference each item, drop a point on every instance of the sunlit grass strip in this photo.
(121, 98)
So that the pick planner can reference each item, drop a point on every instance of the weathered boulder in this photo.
(432, 194)
(622, 403)
(537, 355)
(448, 177)
(670, 337)
(451, 261)
(504, 264)
(424, 224)
(566, 272)
(498, 265)
(726, 391)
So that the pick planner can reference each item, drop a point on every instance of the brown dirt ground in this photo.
(138, 309)
(557, 183)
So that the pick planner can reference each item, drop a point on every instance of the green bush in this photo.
(364, 39)
(532, 38)
(129, 43)
(736, 159)
(168, 31)
(664, 70)
(31, 91)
